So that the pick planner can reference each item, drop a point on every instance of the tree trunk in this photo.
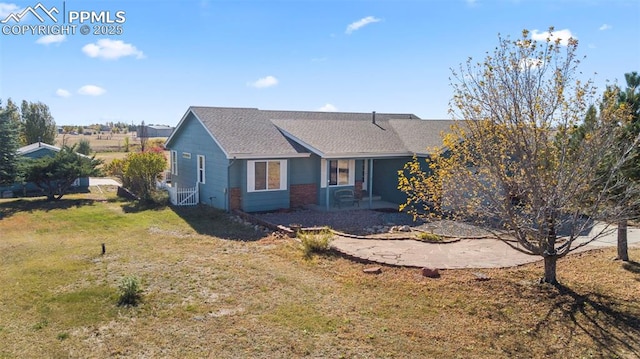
(623, 253)
(550, 270)
(550, 254)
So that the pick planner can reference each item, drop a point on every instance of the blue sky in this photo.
(361, 56)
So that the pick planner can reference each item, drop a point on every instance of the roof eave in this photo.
(175, 130)
(262, 156)
(299, 141)
(372, 155)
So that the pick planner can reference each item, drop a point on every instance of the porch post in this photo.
(327, 183)
(370, 188)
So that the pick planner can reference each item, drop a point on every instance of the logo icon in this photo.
(33, 10)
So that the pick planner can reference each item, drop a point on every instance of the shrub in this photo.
(130, 292)
(315, 242)
(139, 171)
(84, 147)
(156, 143)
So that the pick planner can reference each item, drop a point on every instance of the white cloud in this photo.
(472, 2)
(111, 50)
(361, 23)
(605, 27)
(51, 39)
(63, 93)
(91, 90)
(564, 36)
(328, 108)
(7, 9)
(264, 82)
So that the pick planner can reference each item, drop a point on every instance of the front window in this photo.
(338, 172)
(174, 163)
(201, 169)
(269, 175)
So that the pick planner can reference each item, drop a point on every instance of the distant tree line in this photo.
(31, 122)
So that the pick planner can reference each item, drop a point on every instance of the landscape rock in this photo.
(430, 272)
(372, 270)
(481, 277)
(404, 228)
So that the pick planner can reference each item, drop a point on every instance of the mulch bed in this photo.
(359, 222)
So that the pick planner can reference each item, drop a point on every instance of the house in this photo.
(35, 151)
(154, 131)
(260, 160)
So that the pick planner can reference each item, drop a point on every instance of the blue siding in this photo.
(304, 170)
(41, 152)
(264, 200)
(385, 179)
(194, 139)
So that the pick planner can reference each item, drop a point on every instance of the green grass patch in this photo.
(302, 317)
(429, 237)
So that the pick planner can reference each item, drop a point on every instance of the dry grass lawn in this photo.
(215, 288)
(107, 147)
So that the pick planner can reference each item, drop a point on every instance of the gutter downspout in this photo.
(227, 199)
(327, 183)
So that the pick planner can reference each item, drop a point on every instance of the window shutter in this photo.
(283, 174)
(352, 172)
(251, 181)
(323, 173)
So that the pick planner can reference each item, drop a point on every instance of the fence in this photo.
(182, 196)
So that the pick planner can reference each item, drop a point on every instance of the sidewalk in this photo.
(103, 181)
(466, 253)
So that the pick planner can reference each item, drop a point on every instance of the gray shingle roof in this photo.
(421, 137)
(247, 132)
(36, 146)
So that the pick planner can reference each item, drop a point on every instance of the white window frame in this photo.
(251, 176)
(201, 168)
(174, 163)
(324, 178)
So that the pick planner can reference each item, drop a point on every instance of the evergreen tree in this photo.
(55, 175)
(8, 145)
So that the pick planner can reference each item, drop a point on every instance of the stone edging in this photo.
(292, 232)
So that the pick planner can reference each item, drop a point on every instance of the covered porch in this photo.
(360, 183)
(373, 203)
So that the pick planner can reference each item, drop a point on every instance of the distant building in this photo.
(154, 131)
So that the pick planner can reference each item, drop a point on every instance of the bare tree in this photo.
(512, 163)
(143, 136)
